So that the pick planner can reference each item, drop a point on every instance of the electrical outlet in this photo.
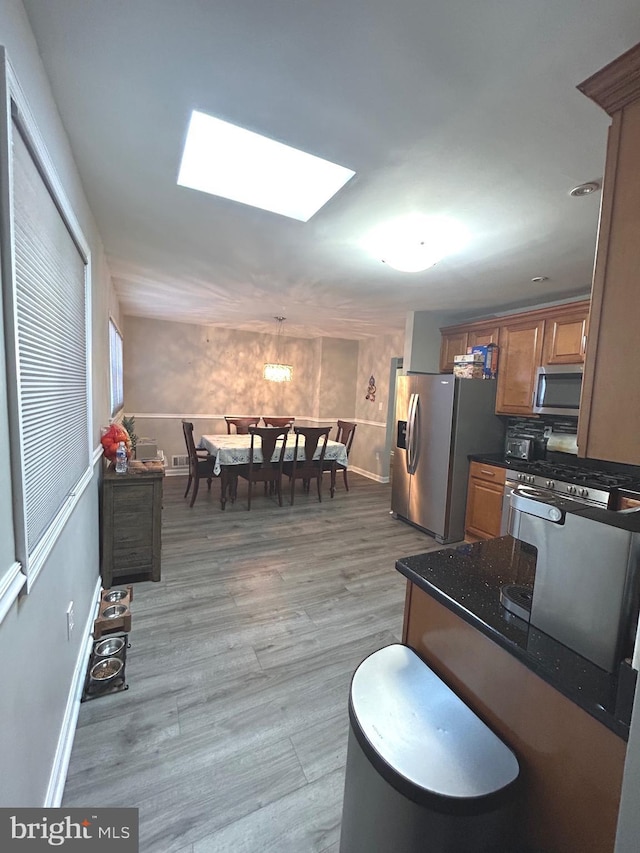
(70, 620)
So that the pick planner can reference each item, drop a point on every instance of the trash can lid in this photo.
(421, 736)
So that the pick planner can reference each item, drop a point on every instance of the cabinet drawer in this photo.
(490, 473)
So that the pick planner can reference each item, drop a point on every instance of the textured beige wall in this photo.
(374, 358)
(337, 381)
(175, 370)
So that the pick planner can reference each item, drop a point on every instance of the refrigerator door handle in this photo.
(412, 435)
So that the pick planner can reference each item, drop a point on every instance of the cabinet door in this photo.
(565, 338)
(484, 501)
(520, 356)
(482, 337)
(610, 390)
(452, 344)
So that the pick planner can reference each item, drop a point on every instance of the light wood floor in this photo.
(232, 735)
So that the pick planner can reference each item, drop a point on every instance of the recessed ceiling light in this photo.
(538, 278)
(415, 242)
(229, 161)
(585, 189)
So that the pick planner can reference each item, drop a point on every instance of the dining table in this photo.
(231, 450)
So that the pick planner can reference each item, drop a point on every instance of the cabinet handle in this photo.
(488, 473)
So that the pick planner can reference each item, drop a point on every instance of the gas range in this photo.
(581, 483)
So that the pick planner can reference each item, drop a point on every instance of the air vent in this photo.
(179, 461)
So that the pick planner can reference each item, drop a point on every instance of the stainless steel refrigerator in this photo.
(440, 421)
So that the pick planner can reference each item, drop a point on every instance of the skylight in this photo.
(229, 161)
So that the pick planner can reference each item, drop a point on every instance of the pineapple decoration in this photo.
(130, 425)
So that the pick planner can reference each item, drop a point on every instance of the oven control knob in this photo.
(530, 478)
(520, 478)
(554, 513)
(584, 493)
(550, 484)
(572, 490)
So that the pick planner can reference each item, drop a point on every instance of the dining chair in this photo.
(200, 465)
(241, 424)
(273, 442)
(278, 422)
(306, 468)
(345, 434)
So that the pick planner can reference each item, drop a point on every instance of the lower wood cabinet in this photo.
(571, 765)
(131, 525)
(484, 501)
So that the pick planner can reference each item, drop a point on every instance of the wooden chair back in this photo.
(311, 438)
(270, 439)
(278, 422)
(201, 463)
(346, 431)
(241, 424)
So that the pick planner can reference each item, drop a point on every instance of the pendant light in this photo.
(276, 371)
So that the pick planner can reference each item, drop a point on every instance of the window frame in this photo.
(14, 110)
(116, 370)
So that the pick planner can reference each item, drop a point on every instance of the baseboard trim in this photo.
(58, 776)
(182, 472)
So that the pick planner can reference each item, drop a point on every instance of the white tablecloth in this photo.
(234, 450)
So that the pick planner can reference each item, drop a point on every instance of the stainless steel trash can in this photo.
(424, 773)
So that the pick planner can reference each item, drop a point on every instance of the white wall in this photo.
(40, 664)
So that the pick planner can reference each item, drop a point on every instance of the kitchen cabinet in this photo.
(610, 409)
(482, 336)
(484, 501)
(626, 499)
(452, 344)
(519, 357)
(456, 341)
(131, 523)
(571, 764)
(555, 335)
(565, 336)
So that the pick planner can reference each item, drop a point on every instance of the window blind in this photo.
(50, 317)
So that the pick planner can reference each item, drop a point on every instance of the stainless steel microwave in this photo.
(557, 389)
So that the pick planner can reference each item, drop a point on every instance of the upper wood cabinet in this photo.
(519, 358)
(483, 336)
(556, 335)
(452, 344)
(565, 336)
(610, 409)
(457, 340)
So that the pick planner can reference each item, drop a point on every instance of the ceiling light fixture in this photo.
(585, 189)
(228, 161)
(276, 371)
(538, 279)
(415, 242)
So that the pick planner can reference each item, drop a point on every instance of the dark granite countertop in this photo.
(467, 581)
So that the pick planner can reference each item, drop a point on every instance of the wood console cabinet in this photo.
(611, 392)
(131, 525)
(484, 501)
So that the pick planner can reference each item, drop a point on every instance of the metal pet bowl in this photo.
(106, 670)
(109, 647)
(115, 595)
(114, 610)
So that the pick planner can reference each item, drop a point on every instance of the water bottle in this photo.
(121, 459)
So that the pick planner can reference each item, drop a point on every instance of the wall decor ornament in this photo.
(371, 390)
